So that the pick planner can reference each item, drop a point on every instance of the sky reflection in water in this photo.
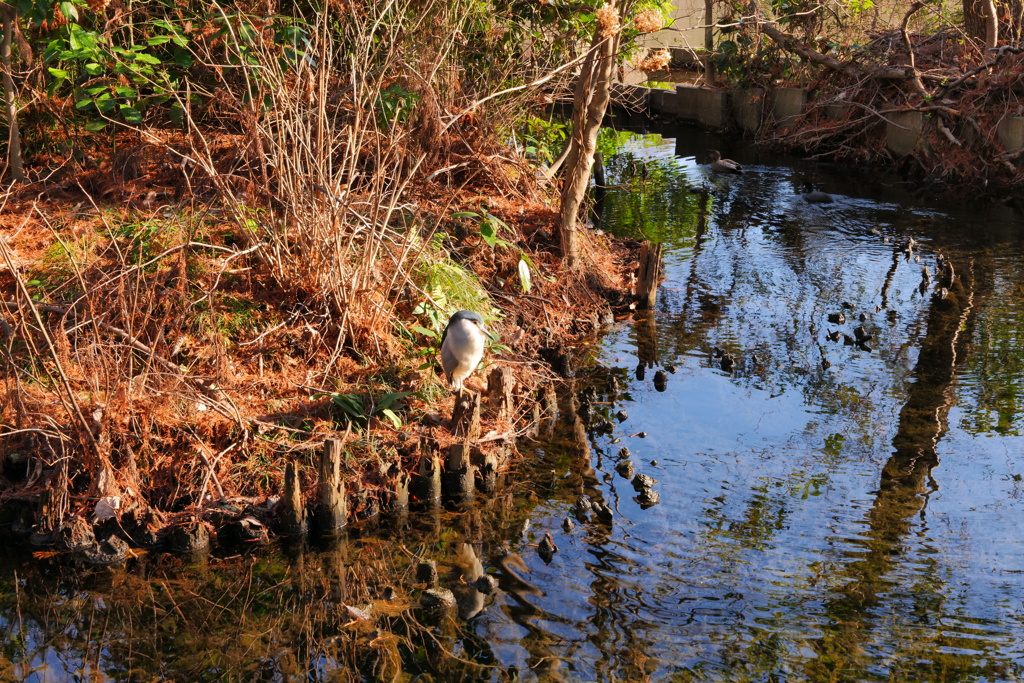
(790, 541)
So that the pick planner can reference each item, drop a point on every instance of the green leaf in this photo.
(81, 40)
(465, 214)
(158, 40)
(424, 331)
(105, 103)
(125, 91)
(497, 221)
(95, 126)
(93, 69)
(388, 399)
(60, 74)
(487, 232)
(390, 414)
(146, 59)
(131, 114)
(349, 404)
(183, 59)
(69, 11)
(176, 114)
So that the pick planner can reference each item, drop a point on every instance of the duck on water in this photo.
(815, 196)
(720, 165)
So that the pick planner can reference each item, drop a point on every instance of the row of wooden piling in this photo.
(441, 475)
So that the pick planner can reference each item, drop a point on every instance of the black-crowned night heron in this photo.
(462, 347)
(813, 196)
(720, 165)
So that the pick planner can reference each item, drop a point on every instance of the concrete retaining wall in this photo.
(753, 108)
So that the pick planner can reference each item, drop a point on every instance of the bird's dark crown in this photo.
(472, 316)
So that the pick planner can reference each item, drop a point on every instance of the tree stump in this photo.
(466, 416)
(499, 393)
(332, 512)
(647, 276)
(292, 518)
(397, 497)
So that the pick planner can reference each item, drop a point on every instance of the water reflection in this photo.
(829, 511)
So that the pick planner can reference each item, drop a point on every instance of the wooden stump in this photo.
(332, 512)
(499, 393)
(398, 496)
(466, 416)
(292, 520)
(647, 276)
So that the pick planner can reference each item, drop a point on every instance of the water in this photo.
(855, 522)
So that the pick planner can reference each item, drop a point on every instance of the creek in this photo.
(827, 511)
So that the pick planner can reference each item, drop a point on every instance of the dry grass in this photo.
(176, 346)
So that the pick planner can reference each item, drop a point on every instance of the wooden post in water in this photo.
(332, 514)
(466, 416)
(499, 393)
(293, 514)
(647, 276)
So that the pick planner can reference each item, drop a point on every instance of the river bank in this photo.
(216, 381)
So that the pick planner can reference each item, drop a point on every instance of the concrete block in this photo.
(787, 104)
(966, 133)
(1011, 133)
(746, 108)
(659, 102)
(836, 110)
(687, 99)
(688, 57)
(903, 131)
(713, 108)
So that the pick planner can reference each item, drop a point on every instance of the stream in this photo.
(825, 510)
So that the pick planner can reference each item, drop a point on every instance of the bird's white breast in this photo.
(467, 338)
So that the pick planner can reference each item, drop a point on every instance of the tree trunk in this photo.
(991, 25)
(709, 42)
(10, 16)
(981, 21)
(590, 101)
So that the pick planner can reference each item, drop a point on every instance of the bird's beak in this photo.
(489, 335)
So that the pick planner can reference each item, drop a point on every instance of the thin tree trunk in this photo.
(709, 42)
(10, 16)
(590, 102)
(991, 25)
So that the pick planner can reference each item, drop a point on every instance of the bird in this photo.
(720, 165)
(813, 196)
(462, 347)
